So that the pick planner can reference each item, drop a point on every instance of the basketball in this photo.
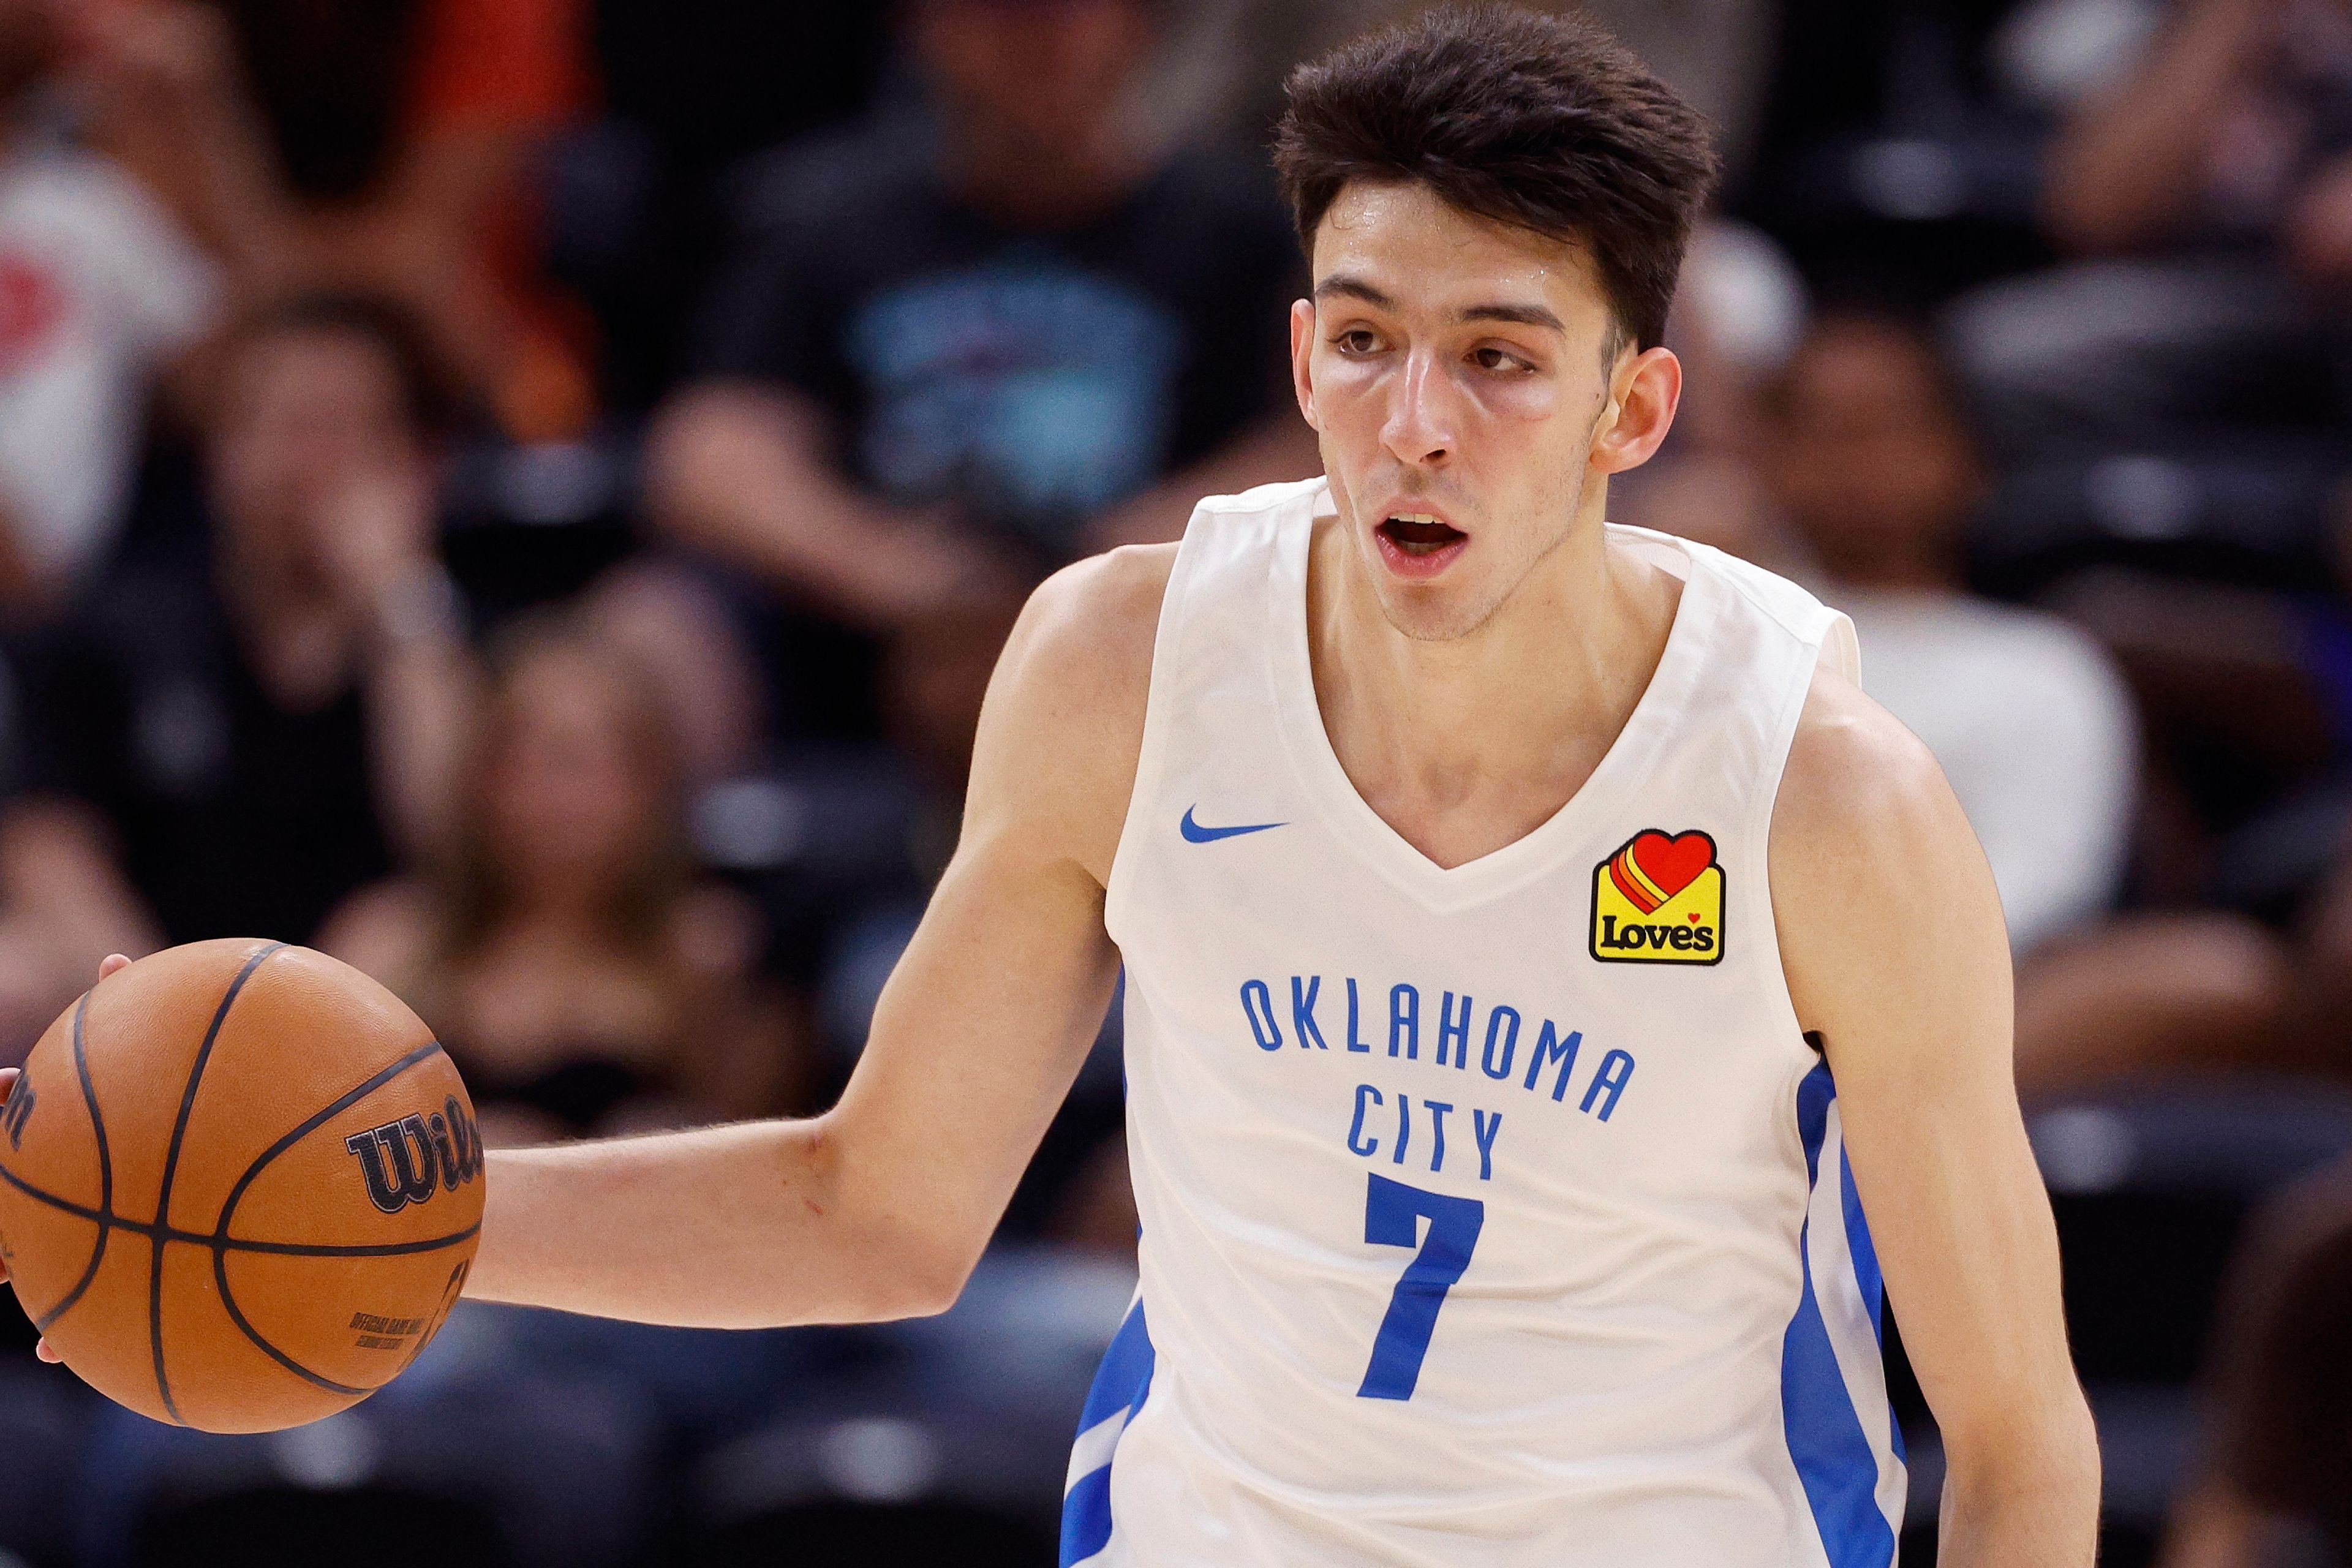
(240, 1186)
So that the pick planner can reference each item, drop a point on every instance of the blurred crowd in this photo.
(525, 495)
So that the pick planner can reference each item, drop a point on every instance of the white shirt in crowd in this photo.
(97, 287)
(2035, 726)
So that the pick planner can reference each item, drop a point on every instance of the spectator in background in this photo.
(1866, 452)
(238, 721)
(583, 975)
(2275, 1489)
(957, 354)
(382, 147)
(1739, 314)
(98, 294)
(1867, 456)
(2174, 403)
(2212, 195)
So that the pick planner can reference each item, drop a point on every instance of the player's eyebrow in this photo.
(1342, 285)
(1522, 315)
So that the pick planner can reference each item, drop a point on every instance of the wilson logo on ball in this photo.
(407, 1161)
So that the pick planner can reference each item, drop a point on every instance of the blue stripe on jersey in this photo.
(1120, 1386)
(1866, 1254)
(1874, 1288)
(1833, 1452)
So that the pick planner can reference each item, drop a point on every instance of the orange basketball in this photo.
(240, 1186)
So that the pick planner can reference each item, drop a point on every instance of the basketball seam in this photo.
(105, 1216)
(235, 1243)
(157, 1241)
(236, 1195)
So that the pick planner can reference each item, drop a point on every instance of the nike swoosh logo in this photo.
(1196, 834)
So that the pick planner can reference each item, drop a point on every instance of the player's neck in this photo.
(1467, 745)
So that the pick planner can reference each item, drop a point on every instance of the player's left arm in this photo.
(1891, 934)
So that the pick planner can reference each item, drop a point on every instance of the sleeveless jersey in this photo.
(1494, 1215)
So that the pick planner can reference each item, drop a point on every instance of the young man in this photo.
(1497, 894)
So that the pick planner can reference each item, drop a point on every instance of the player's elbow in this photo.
(891, 1260)
(2042, 1442)
(909, 1274)
(936, 1282)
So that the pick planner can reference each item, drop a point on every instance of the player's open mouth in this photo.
(1416, 544)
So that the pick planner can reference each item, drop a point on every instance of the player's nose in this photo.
(1420, 428)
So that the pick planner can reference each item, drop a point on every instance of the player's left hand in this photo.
(109, 964)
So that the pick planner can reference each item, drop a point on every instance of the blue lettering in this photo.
(1550, 1047)
(1404, 1021)
(1302, 1012)
(1357, 1144)
(1437, 1110)
(1616, 1068)
(1453, 1029)
(1499, 1071)
(1487, 1129)
(1404, 1128)
(1257, 1002)
(1355, 1041)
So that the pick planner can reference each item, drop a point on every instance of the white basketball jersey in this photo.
(1494, 1215)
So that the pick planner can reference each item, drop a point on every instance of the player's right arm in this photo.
(880, 1207)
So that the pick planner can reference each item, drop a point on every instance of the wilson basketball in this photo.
(240, 1186)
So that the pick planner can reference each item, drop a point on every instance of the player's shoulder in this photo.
(1853, 774)
(1095, 620)
(1104, 611)
(1061, 731)
(1877, 877)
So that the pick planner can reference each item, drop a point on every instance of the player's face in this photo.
(1463, 380)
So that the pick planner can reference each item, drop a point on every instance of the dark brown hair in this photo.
(1543, 123)
(475, 895)
(428, 388)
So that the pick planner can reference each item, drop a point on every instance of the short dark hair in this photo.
(1543, 123)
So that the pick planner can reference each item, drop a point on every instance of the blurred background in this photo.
(524, 495)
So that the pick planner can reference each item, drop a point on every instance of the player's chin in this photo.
(1433, 612)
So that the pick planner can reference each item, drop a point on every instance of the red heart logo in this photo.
(1673, 864)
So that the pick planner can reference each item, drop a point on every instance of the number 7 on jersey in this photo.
(1393, 1217)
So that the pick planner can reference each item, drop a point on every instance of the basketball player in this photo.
(1539, 954)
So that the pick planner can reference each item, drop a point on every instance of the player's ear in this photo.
(1302, 352)
(1644, 391)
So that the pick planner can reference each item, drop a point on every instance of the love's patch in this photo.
(1659, 899)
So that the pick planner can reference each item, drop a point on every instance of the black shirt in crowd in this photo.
(1031, 378)
(1026, 379)
(232, 817)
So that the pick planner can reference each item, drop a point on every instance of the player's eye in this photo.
(1492, 358)
(1357, 341)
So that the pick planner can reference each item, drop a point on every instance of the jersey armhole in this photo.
(1835, 646)
(1156, 702)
